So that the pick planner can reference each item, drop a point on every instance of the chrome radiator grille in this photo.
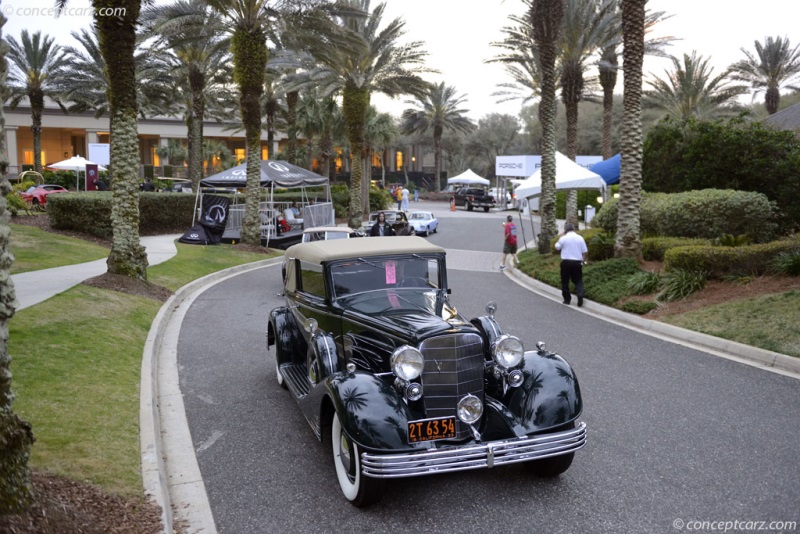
(453, 368)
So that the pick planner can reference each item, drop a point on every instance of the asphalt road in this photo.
(675, 435)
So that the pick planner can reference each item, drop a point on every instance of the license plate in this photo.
(431, 429)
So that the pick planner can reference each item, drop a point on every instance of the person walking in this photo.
(509, 242)
(381, 227)
(405, 195)
(574, 255)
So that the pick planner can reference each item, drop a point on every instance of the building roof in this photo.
(787, 119)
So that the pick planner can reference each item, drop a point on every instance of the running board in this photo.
(296, 377)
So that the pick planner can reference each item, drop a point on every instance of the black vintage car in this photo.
(399, 384)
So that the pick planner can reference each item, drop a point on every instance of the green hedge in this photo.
(706, 214)
(720, 262)
(653, 248)
(91, 212)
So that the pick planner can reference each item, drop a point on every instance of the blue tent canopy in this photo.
(608, 169)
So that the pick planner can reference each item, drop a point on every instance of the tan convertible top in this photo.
(360, 247)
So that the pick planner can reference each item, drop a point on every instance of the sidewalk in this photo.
(34, 287)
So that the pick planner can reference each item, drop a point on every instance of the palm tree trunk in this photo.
(249, 70)
(628, 242)
(355, 101)
(117, 39)
(546, 17)
(16, 436)
(291, 118)
(608, 80)
(437, 158)
(197, 85)
(37, 105)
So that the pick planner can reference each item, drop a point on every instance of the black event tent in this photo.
(274, 173)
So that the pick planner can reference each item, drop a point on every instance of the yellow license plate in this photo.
(431, 429)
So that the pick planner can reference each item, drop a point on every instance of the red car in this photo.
(37, 194)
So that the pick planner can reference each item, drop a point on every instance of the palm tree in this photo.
(84, 85)
(189, 30)
(520, 58)
(117, 40)
(546, 22)
(587, 25)
(437, 111)
(775, 65)
(362, 60)
(247, 22)
(380, 133)
(690, 89)
(37, 64)
(16, 437)
(628, 242)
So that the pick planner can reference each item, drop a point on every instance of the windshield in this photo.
(419, 216)
(416, 273)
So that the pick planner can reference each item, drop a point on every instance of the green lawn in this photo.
(36, 249)
(76, 370)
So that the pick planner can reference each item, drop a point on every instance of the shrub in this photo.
(653, 248)
(607, 282)
(639, 307)
(728, 240)
(606, 216)
(644, 282)
(679, 284)
(720, 262)
(600, 245)
(787, 263)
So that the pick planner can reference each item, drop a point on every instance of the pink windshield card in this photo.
(391, 272)
(393, 300)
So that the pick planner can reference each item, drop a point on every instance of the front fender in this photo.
(550, 395)
(372, 413)
(490, 330)
(283, 332)
(323, 358)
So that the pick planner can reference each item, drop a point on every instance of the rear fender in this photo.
(372, 412)
(549, 396)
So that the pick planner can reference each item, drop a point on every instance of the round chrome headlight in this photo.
(470, 409)
(507, 351)
(407, 363)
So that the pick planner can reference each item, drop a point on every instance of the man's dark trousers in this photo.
(571, 270)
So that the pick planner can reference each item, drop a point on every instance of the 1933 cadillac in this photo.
(389, 374)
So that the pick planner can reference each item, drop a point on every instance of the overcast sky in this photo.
(457, 34)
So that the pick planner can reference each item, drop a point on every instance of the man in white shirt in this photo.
(573, 255)
(405, 198)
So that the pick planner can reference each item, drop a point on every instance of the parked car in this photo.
(396, 218)
(474, 197)
(37, 194)
(326, 233)
(399, 384)
(423, 222)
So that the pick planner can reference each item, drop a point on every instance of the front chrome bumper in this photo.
(482, 455)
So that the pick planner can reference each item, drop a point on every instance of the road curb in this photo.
(170, 473)
(707, 343)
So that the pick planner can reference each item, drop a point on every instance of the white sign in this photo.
(524, 166)
(99, 153)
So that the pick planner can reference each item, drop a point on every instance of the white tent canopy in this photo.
(468, 178)
(569, 175)
(77, 164)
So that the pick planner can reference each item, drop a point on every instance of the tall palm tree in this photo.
(776, 64)
(247, 22)
(690, 89)
(628, 243)
(380, 133)
(587, 25)
(117, 40)
(546, 22)
(189, 29)
(437, 111)
(37, 64)
(520, 59)
(16, 437)
(365, 60)
(608, 65)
